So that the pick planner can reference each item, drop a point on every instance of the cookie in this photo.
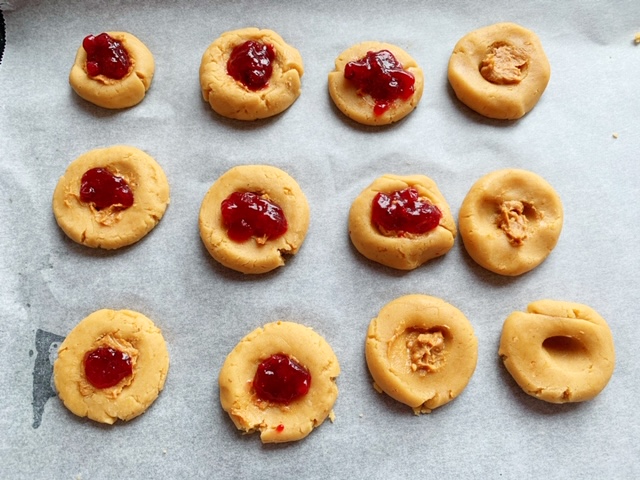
(111, 366)
(558, 351)
(111, 197)
(510, 221)
(279, 380)
(376, 83)
(252, 217)
(421, 351)
(401, 221)
(499, 71)
(114, 88)
(250, 73)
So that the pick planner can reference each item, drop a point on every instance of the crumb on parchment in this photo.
(615, 135)
(636, 39)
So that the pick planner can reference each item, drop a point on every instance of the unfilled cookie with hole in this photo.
(401, 221)
(510, 221)
(500, 71)
(279, 380)
(558, 351)
(421, 351)
(376, 83)
(101, 88)
(112, 366)
(248, 74)
(252, 217)
(111, 197)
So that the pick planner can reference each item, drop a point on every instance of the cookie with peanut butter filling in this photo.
(421, 351)
(500, 71)
(510, 221)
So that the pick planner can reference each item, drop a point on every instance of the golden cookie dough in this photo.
(510, 221)
(558, 351)
(231, 98)
(112, 227)
(421, 351)
(255, 255)
(412, 250)
(279, 423)
(358, 106)
(500, 71)
(111, 93)
(124, 330)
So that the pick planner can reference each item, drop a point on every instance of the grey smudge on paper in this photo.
(47, 344)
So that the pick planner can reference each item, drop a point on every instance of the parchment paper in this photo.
(582, 137)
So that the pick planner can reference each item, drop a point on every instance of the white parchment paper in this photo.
(493, 430)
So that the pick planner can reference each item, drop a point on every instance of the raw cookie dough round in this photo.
(112, 227)
(279, 423)
(500, 71)
(123, 330)
(254, 255)
(230, 98)
(409, 251)
(358, 106)
(510, 221)
(421, 351)
(558, 351)
(115, 93)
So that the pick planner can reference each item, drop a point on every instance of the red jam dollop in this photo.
(250, 63)
(104, 189)
(105, 367)
(280, 379)
(106, 56)
(404, 211)
(381, 75)
(248, 214)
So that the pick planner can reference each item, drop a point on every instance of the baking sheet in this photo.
(493, 430)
